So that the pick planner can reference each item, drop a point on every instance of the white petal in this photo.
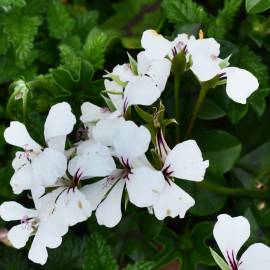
(173, 201)
(117, 98)
(73, 206)
(19, 235)
(17, 134)
(94, 160)
(95, 192)
(144, 185)
(60, 121)
(109, 211)
(140, 136)
(123, 72)
(205, 61)
(20, 160)
(155, 44)
(158, 70)
(142, 90)
(48, 166)
(240, 84)
(14, 211)
(105, 130)
(230, 234)
(22, 179)
(179, 44)
(186, 161)
(257, 256)
(38, 252)
(92, 113)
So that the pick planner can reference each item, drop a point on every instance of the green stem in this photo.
(235, 192)
(177, 105)
(200, 100)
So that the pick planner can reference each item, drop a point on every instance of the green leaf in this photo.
(254, 63)
(7, 5)
(141, 15)
(98, 254)
(257, 6)
(210, 110)
(220, 262)
(95, 48)
(207, 202)
(21, 31)
(257, 100)
(184, 11)
(141, 266)
(218, 26)
(60, 23)
(223, 151)
(70, 252)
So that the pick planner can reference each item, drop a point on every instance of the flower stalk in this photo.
(200, 100)
(235, 192)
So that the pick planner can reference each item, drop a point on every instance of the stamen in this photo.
(76, 180)
(201, 34)
(232, 261)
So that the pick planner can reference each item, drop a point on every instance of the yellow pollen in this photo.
(80, 204)
(201, 34)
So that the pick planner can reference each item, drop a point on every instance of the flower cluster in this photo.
(112, 153)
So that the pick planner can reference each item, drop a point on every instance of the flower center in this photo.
(82, 134)
(167, 173)
(75, 181)
(127, 168)
(234, 264)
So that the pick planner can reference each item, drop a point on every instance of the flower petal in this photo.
(93, 160)
(17, 134)
(96, 192)
(19, 235)
(173, 201)
(22, 179)
(38, 252)
(257, 256)
(105, 130)
(230, 234)
(158, 70)
(123, 72)
(156, 45)
(186, 161)
(117, 98)
(92, 113)
(48, 166)
(142, 90)
(14, 211)
(144, 186)
(60, 121)
(240, 84)
(205, 61)
(109, 211)
(73, 207)
(141, 138)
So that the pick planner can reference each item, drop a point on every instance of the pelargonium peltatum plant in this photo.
(116, 162)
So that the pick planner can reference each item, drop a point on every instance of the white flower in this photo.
(37, 167)
(42, 222)
(92, 160)
(142, 182)
(206, 64)
(142, 88)
(157, 47)
(231, 234)
(184, 161)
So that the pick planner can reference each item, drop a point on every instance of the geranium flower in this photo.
(141, 87)
(205, 61)
(230, 234)
(184, 161)
(142, 182)
(37, 167)
(42, 222)
(206, 64)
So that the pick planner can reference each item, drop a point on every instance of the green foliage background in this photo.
(61, 48)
